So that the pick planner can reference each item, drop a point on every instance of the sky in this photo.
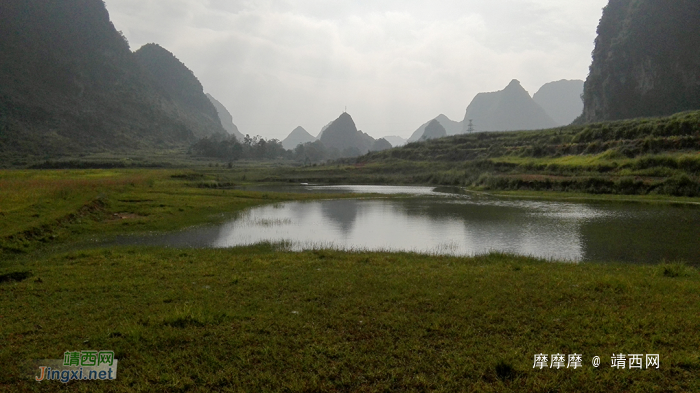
(394, 64)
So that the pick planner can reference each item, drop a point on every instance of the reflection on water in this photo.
(466, 225)
(341, 214)
(344, 189)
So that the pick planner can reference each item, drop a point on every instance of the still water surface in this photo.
(438, 223)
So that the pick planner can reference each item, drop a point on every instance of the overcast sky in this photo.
(395, 64)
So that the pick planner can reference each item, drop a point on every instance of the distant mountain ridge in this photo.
(433, 130)
(451, 127)
(69, 84)
(380, 145)
(513, 109)
(298, 136)
(225, 118)
(561, 100)
(395, 140)
(339, 138)
(509, 109)
(342, 134)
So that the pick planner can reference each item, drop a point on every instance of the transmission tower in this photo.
(470, 127)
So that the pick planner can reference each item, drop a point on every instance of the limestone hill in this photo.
(298, 136)
(561, 100)
(225, 118)
(646, 60)
(342, 134)
(70, 85)
(509, 109)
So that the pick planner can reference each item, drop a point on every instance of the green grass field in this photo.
(259, 318)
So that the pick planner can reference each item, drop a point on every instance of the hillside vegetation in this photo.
(642, 156)
(69, 86)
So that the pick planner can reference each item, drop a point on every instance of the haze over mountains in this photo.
(396, 140)
(341, 137)
(451, 127)
(433, 130)
(298, 136)
(510, 109)
(342, 134)
(561, 100)
(555, 104)
(70, 85)
(225, 118)
(646, 63)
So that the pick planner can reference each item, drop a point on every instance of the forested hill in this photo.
(69, 84)
(646, 60)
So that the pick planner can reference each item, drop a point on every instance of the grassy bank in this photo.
(39, 207)
(514, 174)
(259, 319)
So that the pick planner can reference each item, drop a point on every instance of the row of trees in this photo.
(230, 149)
(258, 148)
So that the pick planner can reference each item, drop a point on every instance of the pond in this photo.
(451, 224)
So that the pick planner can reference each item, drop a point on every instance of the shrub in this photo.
(676, 269)
(628, 185)
(680, 185)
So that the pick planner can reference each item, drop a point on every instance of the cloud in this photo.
(277, 64)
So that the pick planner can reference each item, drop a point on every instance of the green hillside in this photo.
(69, 85)
(641, 156)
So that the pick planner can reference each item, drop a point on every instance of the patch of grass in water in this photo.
(270, 222)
